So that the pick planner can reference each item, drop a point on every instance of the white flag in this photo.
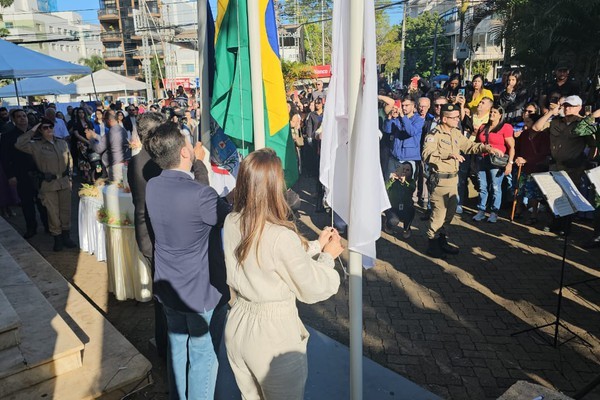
(350, 169)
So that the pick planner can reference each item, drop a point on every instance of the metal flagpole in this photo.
(203, 64)
(94, 85)
(355, 261)
(403, 44)
(256, 74)
(17, 92)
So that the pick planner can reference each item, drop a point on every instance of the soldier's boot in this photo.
(67, 241)
(58, 243)
(435, 249)
(447, 247)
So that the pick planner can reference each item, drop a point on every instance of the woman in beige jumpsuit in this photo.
(269, 266)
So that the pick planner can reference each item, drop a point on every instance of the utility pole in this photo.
(322, 32)
(142, 27)
(404, 7)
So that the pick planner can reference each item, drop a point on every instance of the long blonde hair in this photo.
(260, 198)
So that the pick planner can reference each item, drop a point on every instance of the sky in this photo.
(89, 8)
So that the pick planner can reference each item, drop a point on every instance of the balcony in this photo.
(108, 14)
(117, 70)
(113, 55)
(111, 36)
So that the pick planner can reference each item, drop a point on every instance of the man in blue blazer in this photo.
(182, 212)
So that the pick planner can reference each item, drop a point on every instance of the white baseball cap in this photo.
(573, 100)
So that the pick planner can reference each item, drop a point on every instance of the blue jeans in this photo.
(486, 172)
(190, 343)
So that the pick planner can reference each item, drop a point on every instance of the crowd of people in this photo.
(530, 131)
(244, 251)
(254, 271)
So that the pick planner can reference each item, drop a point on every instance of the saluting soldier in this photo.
(53, 160)
(441, 150)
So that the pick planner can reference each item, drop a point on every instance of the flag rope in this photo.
(240, 77)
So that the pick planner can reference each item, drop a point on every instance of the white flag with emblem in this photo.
(350, 169)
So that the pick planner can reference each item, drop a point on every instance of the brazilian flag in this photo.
(232, 93)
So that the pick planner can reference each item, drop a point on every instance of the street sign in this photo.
(462, 52)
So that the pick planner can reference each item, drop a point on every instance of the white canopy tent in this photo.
(105, 82)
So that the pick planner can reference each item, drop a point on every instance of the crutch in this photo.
(514, 206)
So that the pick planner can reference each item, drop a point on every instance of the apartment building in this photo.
(122, 46)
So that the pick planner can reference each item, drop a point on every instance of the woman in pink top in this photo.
(500, 136)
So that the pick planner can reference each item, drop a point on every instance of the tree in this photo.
(419, 45)
(95, 62)
(295, 71)
(4, 3)
(481, 67)
(388, 46)
(157, 69)
(308, 13)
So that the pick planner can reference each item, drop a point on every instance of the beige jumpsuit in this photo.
(265, 339)
(52, 158)
(438, 147)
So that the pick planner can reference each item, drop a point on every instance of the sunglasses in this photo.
(528, 111)
(46, 127)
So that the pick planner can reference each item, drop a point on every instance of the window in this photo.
(8, 25)
(187, 68)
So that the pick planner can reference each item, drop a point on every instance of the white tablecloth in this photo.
(91, 232)
(129, 276)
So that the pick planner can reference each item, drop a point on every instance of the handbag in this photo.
(495, 160)
(499, 161)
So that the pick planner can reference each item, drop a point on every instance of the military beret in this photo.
(449, 108)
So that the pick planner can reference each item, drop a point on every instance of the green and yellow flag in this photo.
(232, 94)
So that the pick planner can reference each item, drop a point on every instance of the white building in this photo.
(63, 35)
(183, 65)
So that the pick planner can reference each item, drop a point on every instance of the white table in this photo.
(129, 276)
(91, 232)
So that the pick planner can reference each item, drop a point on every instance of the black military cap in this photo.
(449, 108)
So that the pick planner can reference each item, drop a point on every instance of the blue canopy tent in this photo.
(35, 86)
(20, 62)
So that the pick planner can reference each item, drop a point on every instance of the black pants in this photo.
(394, 216)
(29, 200)
(160, 321)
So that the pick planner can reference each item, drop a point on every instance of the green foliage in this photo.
(4, 3)
(481, 67)
(308, 12)
(543, 33)
(419, 45)
(295, 71)
(95, 62)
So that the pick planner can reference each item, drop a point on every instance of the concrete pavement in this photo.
(445, 325)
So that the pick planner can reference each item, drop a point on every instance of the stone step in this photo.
(48, 346)
(112, 366)
(9, 324)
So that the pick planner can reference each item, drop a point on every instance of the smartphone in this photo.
(588, 110)
(461, 92)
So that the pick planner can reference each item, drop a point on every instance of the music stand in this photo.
(564, 200)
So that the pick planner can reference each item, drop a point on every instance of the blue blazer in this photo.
(182, 212)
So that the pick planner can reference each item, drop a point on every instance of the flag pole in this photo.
(203, 64)
(254, 36)
(355, 259)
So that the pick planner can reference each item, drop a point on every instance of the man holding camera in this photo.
(442, 152)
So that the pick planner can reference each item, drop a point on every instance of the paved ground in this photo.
(445, 325)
